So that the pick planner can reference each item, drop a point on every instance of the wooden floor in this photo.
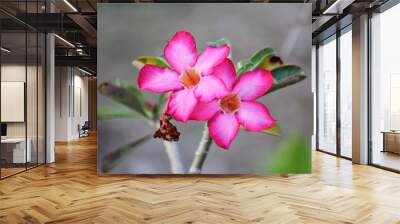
(5, 172)
(70, 191)
(387, 159)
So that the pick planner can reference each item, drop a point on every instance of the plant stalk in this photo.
(172, 150)
(201, 152)
(174, 156)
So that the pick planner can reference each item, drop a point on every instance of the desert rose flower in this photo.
(190, 78)
(238, 106)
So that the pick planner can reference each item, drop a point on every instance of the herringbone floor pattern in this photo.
(70, 191)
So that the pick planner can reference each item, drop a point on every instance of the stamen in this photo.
(230, 103)
(190, 78)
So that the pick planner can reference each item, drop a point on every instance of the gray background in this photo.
(126, 31)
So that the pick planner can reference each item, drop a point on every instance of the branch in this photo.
(173, 153)
(201, 152)
(172, 150)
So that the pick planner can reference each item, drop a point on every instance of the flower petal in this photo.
(181, 104)
(211, 56)
(204, 110)
(253, 84)
(157, 79)
(223, 128)
(254, 116)
(181, 51)
(210, 88)
(226, 72)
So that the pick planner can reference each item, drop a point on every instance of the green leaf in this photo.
(220, 42)
(127, 95)
(252, 63)
(149, 60)
(139, 95)
(128, 86)
(291, 156)
(286, 71)
(274, 130)
(271, 62)
(286, 82)
(286, 75)
(112, 158)
(104, 113)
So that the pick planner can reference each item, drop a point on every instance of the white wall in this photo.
(14, 73)
(13, 100)
(33, 126)
(17, 73)
(80, 104)
(61, 103)
(71, 102)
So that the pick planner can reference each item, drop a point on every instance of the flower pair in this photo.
(205, 88)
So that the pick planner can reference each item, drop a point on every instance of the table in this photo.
(391, 141)
(17, 148)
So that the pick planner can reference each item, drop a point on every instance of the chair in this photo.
(84, 130)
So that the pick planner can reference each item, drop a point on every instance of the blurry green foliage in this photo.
(150, 60)
(114, 157)
(291, 156)
(160, 106)
(128, 95)
(274, 130)
(104, 113)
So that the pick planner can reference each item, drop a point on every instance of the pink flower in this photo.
(190, 79)
(238, 106)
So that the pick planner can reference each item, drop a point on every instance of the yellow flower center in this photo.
(190, 78)
(230, 103)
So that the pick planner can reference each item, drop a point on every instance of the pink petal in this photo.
(210, 88)
(181, 104)
(254, 116)
(226, 72)
(181, 52)
(223, 128)
(205, 111)
(158, 80)
(211, 56)
(253, 84)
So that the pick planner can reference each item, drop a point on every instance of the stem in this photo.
(172, 150)
(201, 152)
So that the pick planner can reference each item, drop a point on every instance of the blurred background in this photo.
(127, 31)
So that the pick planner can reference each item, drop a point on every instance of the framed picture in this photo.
(204, 88)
